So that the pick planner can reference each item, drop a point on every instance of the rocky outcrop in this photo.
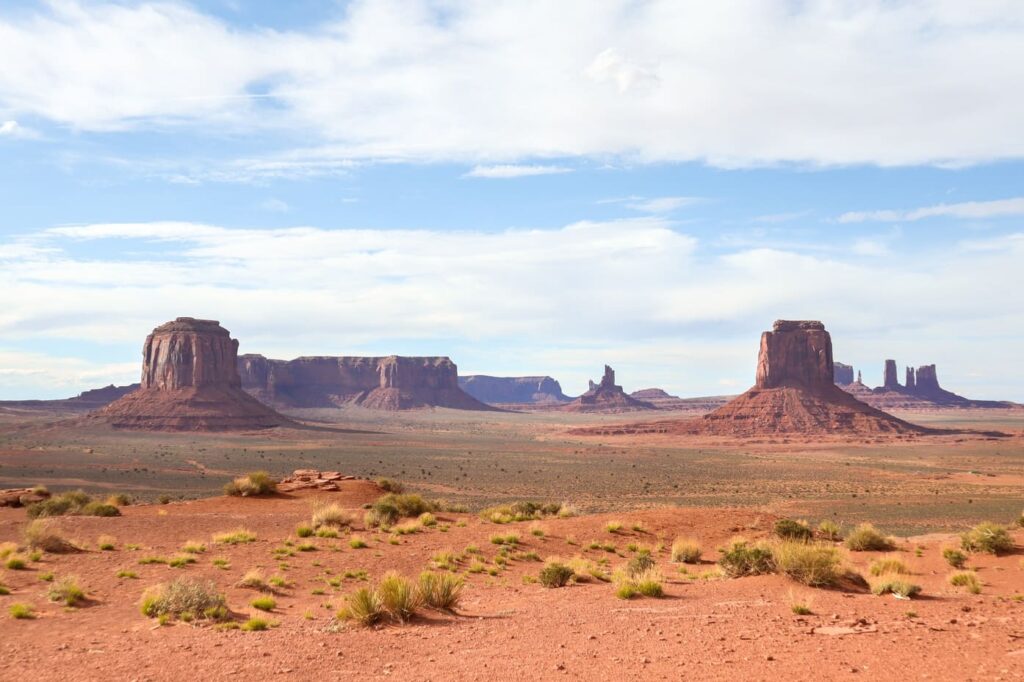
(606, 396)
(921, 391)
(312, 479)
(794, 394)
(889, 379)
(22, 497)
(190, 382)
(385, 383)
(842, 374)
(538, 390)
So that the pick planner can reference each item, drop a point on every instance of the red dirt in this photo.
(504, 628)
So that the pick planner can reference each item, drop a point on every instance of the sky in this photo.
(529, 187)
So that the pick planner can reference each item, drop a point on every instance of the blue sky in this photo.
(460, 178)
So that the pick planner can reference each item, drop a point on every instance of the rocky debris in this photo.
(190, 382)
(21, 497)
(385, 383)
(312, 479)
(532, 390)
(842, 374)
(794, 394)
(607, 396)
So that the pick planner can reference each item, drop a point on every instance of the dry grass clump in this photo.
(119, 499)
(440, 590)
(364, 606)
(253, 484)
(254, 580)
(555, 574)
(813, 564)
(255, 625)
(67, 590)
(740, 559)
(830, 530)
(184, 598)
(106, 543)
(685, 551)
(407, 505)
(954, 557)
(525, 511)
(584, 570)
(641, 563)
(389, 485)
(508, 539)
(398, 596)
(800, 605)
(866, 538)
(630, 582)
(21, 612)
(788, 529)
(613, 526)
(238, 536)
(265, 603)
(41, 534)
(74, 503)
(896, 585)
(987, 537)
(888, 564)
(330, 514)
(968, 579)
(357, 542)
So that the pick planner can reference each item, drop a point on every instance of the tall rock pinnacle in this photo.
(795, 354)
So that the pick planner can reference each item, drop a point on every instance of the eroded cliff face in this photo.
(391, 383)
(190, 381)
(795, 353)
(842, 374)
(534, 390)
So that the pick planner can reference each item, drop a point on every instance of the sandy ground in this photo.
(505, 627)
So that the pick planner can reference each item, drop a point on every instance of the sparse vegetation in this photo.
(364, 606)
(555, 574)
(357, 542)
(253, 579)
(525, 511)
(888, 564)
(304, 531)
(41, 534)
(330, 514)
(253, 484)
(967, 579)
(954, 557)
(788, 529)
(641, 563)
(193, 547)
(21, 612)
(830, 530)
(265, 603)
(132, 575)
(197, 598)
(866, 538)
(895, 585)
(106, 543)
(67, 590)
(181, 561)
(74, 503)
(988, 537)
(398, 596)
(16, 562)
(507, 539)
(390, 485)
(584, 570)
(255, 625)
(613, 526)
(237, 536)
(741, 559)
(813, 564)
(440, 590)
(686, 551)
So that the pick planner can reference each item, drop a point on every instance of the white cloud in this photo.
(14, 130)
(966, 210)
(275, 205)
(38, 375)
(503, 171)
(662, 204)
(733, 83)
(636, 293)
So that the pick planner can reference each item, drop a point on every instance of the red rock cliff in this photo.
(795, 354)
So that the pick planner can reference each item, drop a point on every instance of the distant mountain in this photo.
(539, 390)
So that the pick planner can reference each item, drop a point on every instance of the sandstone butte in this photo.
(382, 383)
(794, 394)
(190, 382)
(606, 396)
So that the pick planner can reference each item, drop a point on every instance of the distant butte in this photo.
(190, 382)
(794, 394)
(606, 396)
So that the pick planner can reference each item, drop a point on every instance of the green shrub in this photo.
(808, 563)
(253, 484)
(968, 579)
(555, 574)
(742, 559)
(440, 590)
(896, 585)
(398, 596)
(954, 557)
(381, 516)
(106, 543)
(265, 603)
(865, 538)
(21, 612)
(987, 537)
(522, 511)
(888, 565)
(685, 551)
(357, 542)
(626, 590)
(184, 596)
(255, 625)
(99, 509)
(509, 539)
(119, 499)
(408, 505)
(67, 590)
(16, 562)
(304, 531)
(390, 486)
(641, 563)
(69, 503)
(788, 529)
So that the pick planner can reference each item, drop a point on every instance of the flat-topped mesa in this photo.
(842, 374)
(530, 390)
(389, 383)
(795, 353)
(190, 382)
(189, 353)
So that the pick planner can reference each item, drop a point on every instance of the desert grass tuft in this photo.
(237, 536)
(740, 558)
(21, 612)
(197, 598)
(555, 574)
(896, 585)
(954, 557)
(866, 538)
(253, 484)
(264, 603)
(967, 579)
(888, 564)
(42, 534)
(813, 564)
(988, 537)
(67, 590)
(686, 551)
(440, 590)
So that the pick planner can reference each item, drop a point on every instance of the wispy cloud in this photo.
(14, 130)
(505, 171)
(662, 204)
(816, 83)
(967, 210)
(275, 205)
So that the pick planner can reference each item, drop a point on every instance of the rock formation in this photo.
(606, 396)
(385, 383)
(842, 374)
(794, 394)
(190, 382)
(539, 390)
(890, 380)
(85, 401)
(911, 379)
(920, 392)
